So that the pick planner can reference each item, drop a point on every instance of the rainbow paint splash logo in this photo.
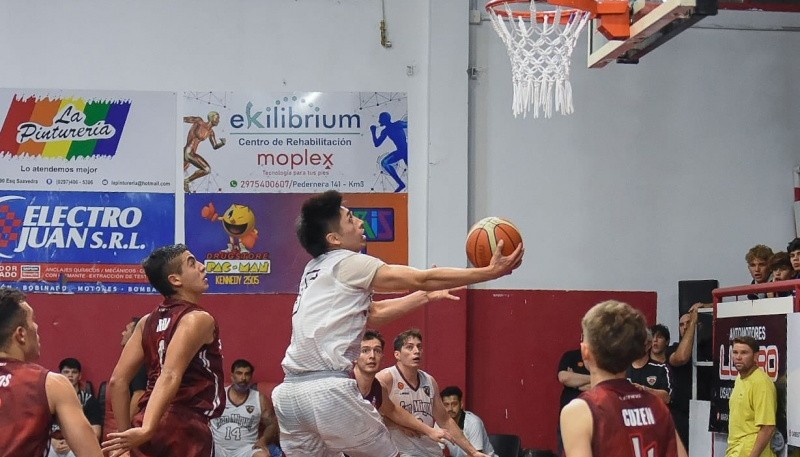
(63, 128)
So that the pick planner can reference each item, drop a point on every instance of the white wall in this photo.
(271, 45)
(668, 170)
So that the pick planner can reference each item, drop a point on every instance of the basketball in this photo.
(483, 238)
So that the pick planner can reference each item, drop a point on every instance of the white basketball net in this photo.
(540, 56)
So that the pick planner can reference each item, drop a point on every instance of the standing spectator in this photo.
(136, 389)
(416, 391)
(574, 375)
(469, 423)
(179, 342)
(658, 349)
(650, 376)
(30, 396)
(679, 360)
(71, 369)
(753, 404)
(614, 418)
(758, 264)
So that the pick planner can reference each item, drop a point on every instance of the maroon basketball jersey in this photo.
(25, 417)
(201, 388)
(629, 422)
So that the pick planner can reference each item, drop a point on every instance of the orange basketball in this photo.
(483, 238)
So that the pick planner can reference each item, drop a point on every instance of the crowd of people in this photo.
(334, 400)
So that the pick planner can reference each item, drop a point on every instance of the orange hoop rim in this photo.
(494, 7)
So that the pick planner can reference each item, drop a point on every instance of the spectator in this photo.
(650, 376)
(661, 337)
(757, 263)
(794, 256)
(248, 423)
(679, 361)
(30, 396)
(71, 369)
(782, 270)
(572, 373)
(753, 404)
(469, 423)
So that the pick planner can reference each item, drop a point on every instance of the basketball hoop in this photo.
(539, 45)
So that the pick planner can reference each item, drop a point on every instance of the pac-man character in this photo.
(239, 223)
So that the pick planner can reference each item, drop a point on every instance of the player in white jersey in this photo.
(235, 432)
(332, 308)
(417, 392)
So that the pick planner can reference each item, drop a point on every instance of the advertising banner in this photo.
(295, 142)
(770, 332)
(793, 372)
(99, 141)
(81, 241)
(249, 245)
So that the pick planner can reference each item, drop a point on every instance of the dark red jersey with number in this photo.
(25, 416)
(202, 387)
(629, 422)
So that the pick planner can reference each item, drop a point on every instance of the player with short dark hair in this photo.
(179, 343)
(31, 397)
(614, 418)
(333, 307)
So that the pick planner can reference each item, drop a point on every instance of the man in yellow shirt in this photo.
(753, 404)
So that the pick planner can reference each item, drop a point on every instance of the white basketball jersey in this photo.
(418, 402)
(328, 318)
(238, 425)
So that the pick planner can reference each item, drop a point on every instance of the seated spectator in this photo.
(794, 256)
(782, 270)
(248, 423)
(71, 369)
(650, 376)
(471, 424)
(758, 264)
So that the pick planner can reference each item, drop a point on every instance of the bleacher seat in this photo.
(506, 445)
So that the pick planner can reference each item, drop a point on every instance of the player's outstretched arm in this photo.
(576, 429)
(130, 361)
(194, 330)
(405, 419)
(402, 278)
(385, 311)
(64, 404)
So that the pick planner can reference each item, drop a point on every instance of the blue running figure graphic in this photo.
(395, 131)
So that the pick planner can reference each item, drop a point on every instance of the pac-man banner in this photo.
(248, 241)
(87, 140)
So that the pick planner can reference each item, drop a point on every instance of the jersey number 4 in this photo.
(639, 451)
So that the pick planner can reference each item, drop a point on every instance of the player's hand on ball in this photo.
(508, 263)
